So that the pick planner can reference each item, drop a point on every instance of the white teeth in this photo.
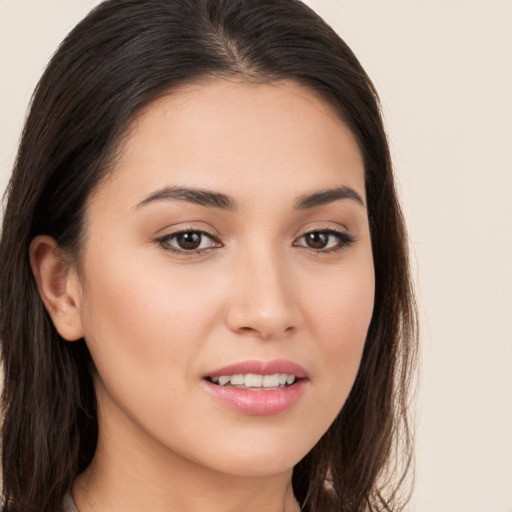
(271, 381)
(252, 380)
(223, 380)
(237, 380)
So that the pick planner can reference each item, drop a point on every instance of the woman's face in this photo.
(228, 254)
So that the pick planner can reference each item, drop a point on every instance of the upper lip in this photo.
(261, 368)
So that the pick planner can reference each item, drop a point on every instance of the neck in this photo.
(130, 472)
(110, 488)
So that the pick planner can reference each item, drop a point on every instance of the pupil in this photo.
(317, 240)
(189, 240)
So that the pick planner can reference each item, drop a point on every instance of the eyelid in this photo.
(345, 239)
(163, 239)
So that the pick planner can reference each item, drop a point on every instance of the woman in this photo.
(205, 301)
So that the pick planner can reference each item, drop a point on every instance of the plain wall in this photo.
(444, 73)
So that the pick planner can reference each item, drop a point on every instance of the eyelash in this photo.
(164, 241)
(344, 240)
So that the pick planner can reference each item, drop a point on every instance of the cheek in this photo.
(146, 319)
(341, 312)
(341, 308)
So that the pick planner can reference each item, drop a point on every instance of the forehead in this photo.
(238, 137)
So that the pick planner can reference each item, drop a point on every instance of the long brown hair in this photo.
(122, 56)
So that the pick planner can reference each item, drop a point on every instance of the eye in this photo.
(327, 240)
(188, 241)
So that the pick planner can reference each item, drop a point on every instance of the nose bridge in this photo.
(264, 302)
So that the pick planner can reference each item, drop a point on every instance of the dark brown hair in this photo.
(122, 56)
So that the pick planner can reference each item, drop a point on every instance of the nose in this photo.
(263, 303)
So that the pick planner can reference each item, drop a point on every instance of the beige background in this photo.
(444, 72)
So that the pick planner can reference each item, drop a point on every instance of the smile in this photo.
(258, 388)
(254, 381)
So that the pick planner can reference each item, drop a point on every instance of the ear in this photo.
(58, 286)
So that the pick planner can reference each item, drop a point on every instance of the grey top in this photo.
(68, 505)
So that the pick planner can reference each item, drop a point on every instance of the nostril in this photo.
(247, 329)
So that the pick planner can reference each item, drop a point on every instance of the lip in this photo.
(259, 402)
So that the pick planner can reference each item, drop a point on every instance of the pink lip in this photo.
(259, 402)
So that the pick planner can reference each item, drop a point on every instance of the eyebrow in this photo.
(212, 199)
(323, 197)
(201, 197)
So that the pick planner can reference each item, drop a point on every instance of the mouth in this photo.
(254, 381)
(257, 387)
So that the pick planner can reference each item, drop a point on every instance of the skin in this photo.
(156, 321)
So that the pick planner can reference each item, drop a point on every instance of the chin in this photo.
(265, 456)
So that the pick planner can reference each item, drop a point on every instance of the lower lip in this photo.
(259, 402)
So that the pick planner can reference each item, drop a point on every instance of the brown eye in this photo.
(316, 240)
(188, 242)
(325, 241)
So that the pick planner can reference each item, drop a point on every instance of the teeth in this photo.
(271, 381)
(252, 380)
(223, 380)
(237, 380)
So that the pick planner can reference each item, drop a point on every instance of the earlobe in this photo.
(57, 283)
